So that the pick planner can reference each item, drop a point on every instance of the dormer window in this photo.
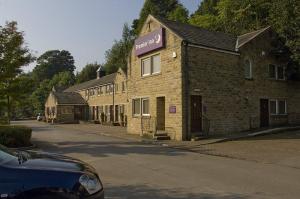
(248, 69)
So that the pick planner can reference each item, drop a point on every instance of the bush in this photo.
(15, 136)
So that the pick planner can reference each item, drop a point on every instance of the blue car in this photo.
(35, 175)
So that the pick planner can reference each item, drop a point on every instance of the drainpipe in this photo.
(114, 114)
(185, 87)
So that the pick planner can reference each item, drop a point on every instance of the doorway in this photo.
(160, 113)
(196, 113)
(264, 112)
(117, 113)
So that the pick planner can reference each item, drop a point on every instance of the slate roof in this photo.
(92, 83)
(69, 98)
(200, 36)
(243, 39)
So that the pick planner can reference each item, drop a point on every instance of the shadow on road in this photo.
(105, 149)
(145, 192)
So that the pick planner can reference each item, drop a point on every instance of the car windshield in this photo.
(6, 155)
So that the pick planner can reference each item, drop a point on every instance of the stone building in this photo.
(63, 107)
(184, 81)
(105, 99)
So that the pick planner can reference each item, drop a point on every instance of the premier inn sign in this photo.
(150, 42)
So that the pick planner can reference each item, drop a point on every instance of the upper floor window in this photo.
(123, 86)
(151, 65)
(248, 69)
(116, 87)
(276, 72)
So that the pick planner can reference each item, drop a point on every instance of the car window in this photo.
(6, 155)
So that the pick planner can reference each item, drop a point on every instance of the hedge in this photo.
(15, 136)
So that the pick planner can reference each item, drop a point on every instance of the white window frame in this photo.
(277, 106)
(152, 73)
(133, 107)
(151, 65)
(142, 65)
(276, 72)
(283, 70)
(142, 106)
(251, 70)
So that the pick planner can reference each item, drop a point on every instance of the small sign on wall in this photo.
(172, 109)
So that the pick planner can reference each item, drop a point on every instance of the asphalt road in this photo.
(141, 171)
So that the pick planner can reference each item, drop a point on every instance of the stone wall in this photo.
(166, 84)
(108, 99)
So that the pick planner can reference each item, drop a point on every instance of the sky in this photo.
(86, 28)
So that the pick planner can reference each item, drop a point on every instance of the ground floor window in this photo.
(278, 107)
(136, 104)
(145, 106)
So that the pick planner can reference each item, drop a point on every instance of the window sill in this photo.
(152, 75)
(249, 79)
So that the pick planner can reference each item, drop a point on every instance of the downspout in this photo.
(114, 114)
(185, 87)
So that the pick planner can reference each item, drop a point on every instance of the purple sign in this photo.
(172, 109)
(149, 42)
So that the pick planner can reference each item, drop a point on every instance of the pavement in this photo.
(132, 169)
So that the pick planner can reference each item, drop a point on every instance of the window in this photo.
(273, 107)
(280, 73)
(108, 89)
(276, 72)
(116, 88)
(278, 107)
(100, 90)
(123, 86)
(248, 69)
(281, 107)
(136, 103)
(146, 67)
(272, 71)
(156, 64)
(145, 107)
(151, 65)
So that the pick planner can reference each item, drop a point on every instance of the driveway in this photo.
(130, 169)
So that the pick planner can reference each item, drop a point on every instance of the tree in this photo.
(53, 62)
(117, 56)
(161, 8)
(39, 96)
(180, 14)
(13, 55)
(285, 19)
(89, 72)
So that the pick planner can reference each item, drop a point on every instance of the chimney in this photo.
(100, 72)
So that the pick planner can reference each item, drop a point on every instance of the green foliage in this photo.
(13, 55)
(53, 62)
(89, 72)
(207, 7)
(180, 13)
(239, 17)
(117, 56)
(40, 94)
(15, 136)
(161, 8)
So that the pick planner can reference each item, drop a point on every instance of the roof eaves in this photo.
(254, 36)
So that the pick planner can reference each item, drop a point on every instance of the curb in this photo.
(260, 133)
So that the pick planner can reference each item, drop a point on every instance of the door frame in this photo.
(200, 128)
(163, 126)
(260, 112)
